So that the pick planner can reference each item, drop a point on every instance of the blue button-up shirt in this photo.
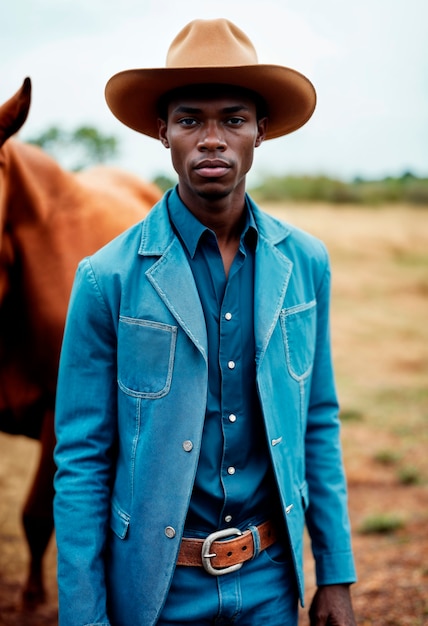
(234, 484)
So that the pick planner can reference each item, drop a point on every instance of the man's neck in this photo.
(223, 215)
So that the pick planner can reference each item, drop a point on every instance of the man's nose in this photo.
(212, 137)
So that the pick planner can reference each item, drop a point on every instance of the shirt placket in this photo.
(230, 360)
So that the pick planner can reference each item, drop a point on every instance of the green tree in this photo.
(77, 149)
(164, 182)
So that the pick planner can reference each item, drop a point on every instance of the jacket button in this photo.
(170, 532)
(187, 445)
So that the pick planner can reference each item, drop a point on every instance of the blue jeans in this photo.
(263, 592)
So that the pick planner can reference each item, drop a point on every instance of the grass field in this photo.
(380, 344)
(379, 327)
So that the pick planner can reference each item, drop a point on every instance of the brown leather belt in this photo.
(221, 557)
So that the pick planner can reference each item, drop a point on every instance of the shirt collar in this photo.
(190, 229)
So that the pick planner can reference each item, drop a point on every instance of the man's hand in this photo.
(332, 606)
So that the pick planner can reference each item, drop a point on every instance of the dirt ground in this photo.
(380, 342)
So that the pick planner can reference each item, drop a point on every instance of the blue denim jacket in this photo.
(130, 410)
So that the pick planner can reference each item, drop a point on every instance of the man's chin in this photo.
(213, 191)
(212, 194)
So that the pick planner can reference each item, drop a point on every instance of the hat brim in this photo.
(132, 95)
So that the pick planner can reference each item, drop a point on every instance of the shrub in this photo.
(409, 475)
(407, 189)
(381, 523)
(387, 457)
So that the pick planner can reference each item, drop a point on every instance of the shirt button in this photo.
(187, 445)
(228, 316)
(228, 518)
(170, 532)
(231, 365)
(232, 417)
(231, 470)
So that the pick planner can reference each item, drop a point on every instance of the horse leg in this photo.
(37, 516)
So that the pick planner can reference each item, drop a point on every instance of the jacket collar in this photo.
(178, 290)
(157, 234)
(272, 275)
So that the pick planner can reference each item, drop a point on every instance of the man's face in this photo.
(212, 140)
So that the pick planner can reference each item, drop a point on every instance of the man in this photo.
(197, 420)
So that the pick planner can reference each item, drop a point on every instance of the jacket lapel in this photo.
(171, 275)
(172, 278)
(272, 275)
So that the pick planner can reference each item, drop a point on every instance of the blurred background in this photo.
(367, 60)
(356, 175)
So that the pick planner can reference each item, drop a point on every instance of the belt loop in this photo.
(256, 540)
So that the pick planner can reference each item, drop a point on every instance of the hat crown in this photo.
(205, 43)
(211, 52)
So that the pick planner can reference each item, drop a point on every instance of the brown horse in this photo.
(49, 220)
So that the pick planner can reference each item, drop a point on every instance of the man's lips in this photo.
(212, 168)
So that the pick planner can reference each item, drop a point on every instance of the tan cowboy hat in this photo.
(207, 52)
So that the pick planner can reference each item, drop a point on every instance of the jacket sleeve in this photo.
(327, 515)
(84, 454)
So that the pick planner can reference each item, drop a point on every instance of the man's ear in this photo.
(162, 127)
(262, 125)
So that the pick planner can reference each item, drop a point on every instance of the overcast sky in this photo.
(368, 61)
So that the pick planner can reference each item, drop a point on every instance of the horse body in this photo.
(50, 219)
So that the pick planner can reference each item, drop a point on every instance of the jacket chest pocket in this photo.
(146, 351)
(298, 326)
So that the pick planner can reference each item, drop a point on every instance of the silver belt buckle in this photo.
(207, 554)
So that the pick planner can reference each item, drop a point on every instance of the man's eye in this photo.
(235, 121)
(187, 121)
